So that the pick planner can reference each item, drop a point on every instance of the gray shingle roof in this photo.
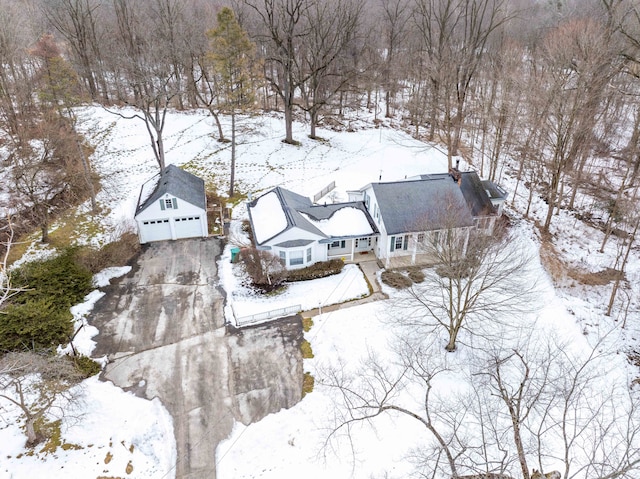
(293, 205)
(475, 194)
(422, 205)
(179, 183)
(494, 191)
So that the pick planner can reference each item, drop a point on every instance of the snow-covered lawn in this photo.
(115, 428)
(244, 302)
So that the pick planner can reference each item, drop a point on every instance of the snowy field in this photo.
(115, 428)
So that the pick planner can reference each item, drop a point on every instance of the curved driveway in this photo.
(162, 327)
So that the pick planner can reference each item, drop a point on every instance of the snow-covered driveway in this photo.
(163, 328)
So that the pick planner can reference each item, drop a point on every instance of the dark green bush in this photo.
(62, 280)
(396, 279)
(39, 318)
(86, 366)
(33, 325)
(315, 271)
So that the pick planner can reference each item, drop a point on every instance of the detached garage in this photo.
(177, 208)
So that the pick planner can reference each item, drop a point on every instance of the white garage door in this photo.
(188, 227)
(156, 230)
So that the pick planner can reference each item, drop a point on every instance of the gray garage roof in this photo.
(422, 205)
(179, 183)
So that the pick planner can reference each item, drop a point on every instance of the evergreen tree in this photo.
(234, 61)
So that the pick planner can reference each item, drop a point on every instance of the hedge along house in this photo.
(414, 213)
(175, 209)
(302, 233)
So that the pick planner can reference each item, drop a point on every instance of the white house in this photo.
(301, 233)
(177, 208)
(395, 221)
(414, 212)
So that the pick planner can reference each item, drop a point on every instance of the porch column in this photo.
(414, 249)
(353, 247)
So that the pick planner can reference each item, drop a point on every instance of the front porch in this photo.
(353, 250)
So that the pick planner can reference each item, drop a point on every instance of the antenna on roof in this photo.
(380, 177)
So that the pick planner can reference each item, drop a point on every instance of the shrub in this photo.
(86, 366)
(396, 279)
(39, 318)
(305, 347)
(315, 271)
(416, 275)
(266, 270)
(117, 253)
(246, 229)
(307, 323)
(61, 280)
(33, 325)
(308, 382)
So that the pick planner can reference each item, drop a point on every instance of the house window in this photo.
(283, 256)
(420, 237)
(398, 244)
(169, 203)
(337, 244)
(295, 258)
(308, 255)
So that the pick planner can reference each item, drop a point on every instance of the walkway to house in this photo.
(369, 268)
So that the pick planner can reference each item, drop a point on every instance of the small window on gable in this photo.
(170, 203)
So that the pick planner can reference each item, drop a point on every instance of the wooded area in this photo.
(544, 90)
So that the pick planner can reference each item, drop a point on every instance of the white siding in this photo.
(185, 221)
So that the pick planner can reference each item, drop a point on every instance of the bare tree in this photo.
(395, 17)
(578, 71)
(36, 384)
(267, 271)
(375, 389)
(455, 37)
(7, 288)
(521, 403)
(80, 22)
(153, 83)
(325, 68)
(487, 279)
(17, 99)
(38, 177)
(283, 28)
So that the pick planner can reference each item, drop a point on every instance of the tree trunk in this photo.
(288, 123)
(313, 116)
(233, 154)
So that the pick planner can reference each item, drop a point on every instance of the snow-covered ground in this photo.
(116, 428)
